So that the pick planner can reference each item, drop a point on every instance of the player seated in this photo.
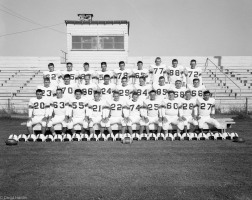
(134, 104)
(47, 89)
(142, 88)
(88, 88)
(52, 75)
(193, 72)
(161, 88)
(189, 112)
(86, 72)
(122, 72)
(58, 112)
(68, 88)
(150, 114)
(125, 90)
(175, 72)
(197, 88)
(94, 114)
(206, 111)
(106, 88)
(101, 74)
(179, 91)
(39, 110)
(171, 115)
(77, 113)
(74, 75)
(139, 72)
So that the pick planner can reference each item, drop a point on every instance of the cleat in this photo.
(186, 138)
(228, 138)
(118, 139)
(169, 139)
(194, 138)
(135, 138)
(211, 137)
(160, 138)
(152, 138)
(144, 138)
(84, 139)
(92, 139)
(177, 138)
(202, 138)
(101, 139)
(75, 139)
(21, 140)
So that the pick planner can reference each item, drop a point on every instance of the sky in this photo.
(157, 27)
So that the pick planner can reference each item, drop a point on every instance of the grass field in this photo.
(111, 170)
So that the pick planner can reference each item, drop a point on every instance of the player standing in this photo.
(157, 70)
(121, 73)
(193, 72)
(103, 72)
(139, 72)
(74, 75)
(52, 75)
(86, 72)
(175, 72)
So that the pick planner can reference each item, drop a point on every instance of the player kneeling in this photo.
(171, 115)
(150, 115)
(77, 115)
(58, 112)
(189, 112)
(39, 110)
(206, 111)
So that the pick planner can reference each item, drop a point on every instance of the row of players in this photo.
(152, 74)
(125, 89)
(184, 113)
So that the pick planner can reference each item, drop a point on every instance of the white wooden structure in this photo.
(97, 41)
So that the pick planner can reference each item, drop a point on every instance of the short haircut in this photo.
(157, 58)
(66, 76)
(103, 63)
(106, 76)
(178, 81)
(206, 92)
(193, 61)
(39, 90)
(97, 92)
(86, 63)
(188, 91)
(77, 90)
(69, 63)
(59, 89)
(116, 92)
(161, 77)
(196, 79)
(174, 60)
(50, 64)
(142, 77)
(46, 79)
(134, 93)
(139, 62)
(153, 91)
(171, 92)
(121, 62)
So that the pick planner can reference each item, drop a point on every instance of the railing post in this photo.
(246, 106)
(9, 107)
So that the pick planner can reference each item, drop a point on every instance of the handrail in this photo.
(216, 67)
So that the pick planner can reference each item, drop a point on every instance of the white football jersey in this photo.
(205, 106)
(122, 73)
(68, 90)
(83, 73)
(179, 92)
(96, 107)
(116, 108)
(53, 76)
(138, 73)
(59, 106)
(40, 107)
(197, 92)
(143, 90)
(125, 91)
(47, 91)
(161, 90)
(77, 107)
(152, 107)
(158, 71)
(74, 74)
(106, 90)
(88, 90)
(175, 73)
(192, 74)
(134, 107)
(172, 106)
(188, 106)
(101, 75)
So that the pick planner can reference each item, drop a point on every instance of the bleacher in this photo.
(19, 79)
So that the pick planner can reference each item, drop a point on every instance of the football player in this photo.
(47, 89)
(171, 114)
(151, 115)
(39, 110)
(206, 111)
(52, 75)
(179, 91)
(125, 89)
(58, 112)
(161, 88)
(121, 73)
(94, 114)
(143, 88)
(197, 89)
(88, 88)
(139, 72)
(189, 113)
(106, 88)
(175, 72)
(193, 72)
(74, 75)
(104, 72)
(68, 88)
(77, 112)
(157, 70)
(86, 72)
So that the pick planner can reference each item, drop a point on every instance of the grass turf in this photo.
(111, 170)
